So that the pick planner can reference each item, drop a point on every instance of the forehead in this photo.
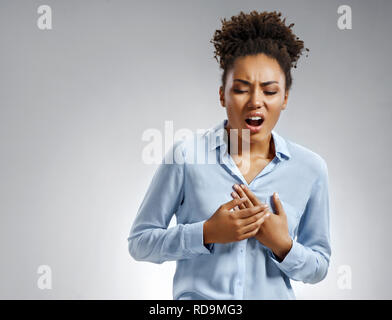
(256, 68)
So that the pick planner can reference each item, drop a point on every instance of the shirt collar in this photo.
(217, 136)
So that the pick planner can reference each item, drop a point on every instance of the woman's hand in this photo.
(229, 226)
(274, 232)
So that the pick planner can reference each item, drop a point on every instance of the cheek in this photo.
(274, 114)
(275, 106)
(273, 117)
(234, 115)
(234, 108)
(275, 100)
(234, 104)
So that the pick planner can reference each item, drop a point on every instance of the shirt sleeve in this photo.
(150, 239)
(308, 258)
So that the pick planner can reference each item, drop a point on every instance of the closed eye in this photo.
(269, 93)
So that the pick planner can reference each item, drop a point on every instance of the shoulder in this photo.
(307, 157)
(183, 147)
(191, 144)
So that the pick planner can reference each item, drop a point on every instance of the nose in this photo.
(256, 99)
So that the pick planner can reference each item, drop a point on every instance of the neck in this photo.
(264, 149)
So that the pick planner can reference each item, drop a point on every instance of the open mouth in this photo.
(254, 121)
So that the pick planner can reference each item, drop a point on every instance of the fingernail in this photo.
(276, 195)
(235, 186)
(243, 186)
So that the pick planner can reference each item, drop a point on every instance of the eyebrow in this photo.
(262, 84)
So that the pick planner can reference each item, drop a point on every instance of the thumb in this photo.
(278, 205)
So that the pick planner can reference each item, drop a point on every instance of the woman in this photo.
(232, 244)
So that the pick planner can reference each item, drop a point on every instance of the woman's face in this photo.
(255, 86)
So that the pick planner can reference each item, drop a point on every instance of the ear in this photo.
(222, 96)
(286, 97)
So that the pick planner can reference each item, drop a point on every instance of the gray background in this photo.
(75, 100)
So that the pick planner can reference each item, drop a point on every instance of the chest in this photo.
(251, 168)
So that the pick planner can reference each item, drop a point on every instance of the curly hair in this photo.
(253, 33)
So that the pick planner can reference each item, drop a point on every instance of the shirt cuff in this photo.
(293, 260)
(194, 239)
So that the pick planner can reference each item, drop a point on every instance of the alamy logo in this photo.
(161, 145)
(44, 21)
(345, 20)
(344, 280)
(45, 279)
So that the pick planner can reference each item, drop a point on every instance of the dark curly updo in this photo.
(253, 33)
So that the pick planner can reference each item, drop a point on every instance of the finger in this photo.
(278, 205)
(235, 195)
(236, 208)
(251, 196)
(254, 218)
(248, 212)
(255, 225)
(231, 204)
(249, 234)
(242, 194)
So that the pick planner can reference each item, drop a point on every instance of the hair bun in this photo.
(257, 32)
(256, 26)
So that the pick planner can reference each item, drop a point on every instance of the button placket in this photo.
(242, 260)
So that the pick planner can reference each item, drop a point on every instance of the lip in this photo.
(255, 114)
(252, 128)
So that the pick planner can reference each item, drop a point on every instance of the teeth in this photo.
(254, 118)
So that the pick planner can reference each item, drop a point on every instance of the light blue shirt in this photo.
(186, 185)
